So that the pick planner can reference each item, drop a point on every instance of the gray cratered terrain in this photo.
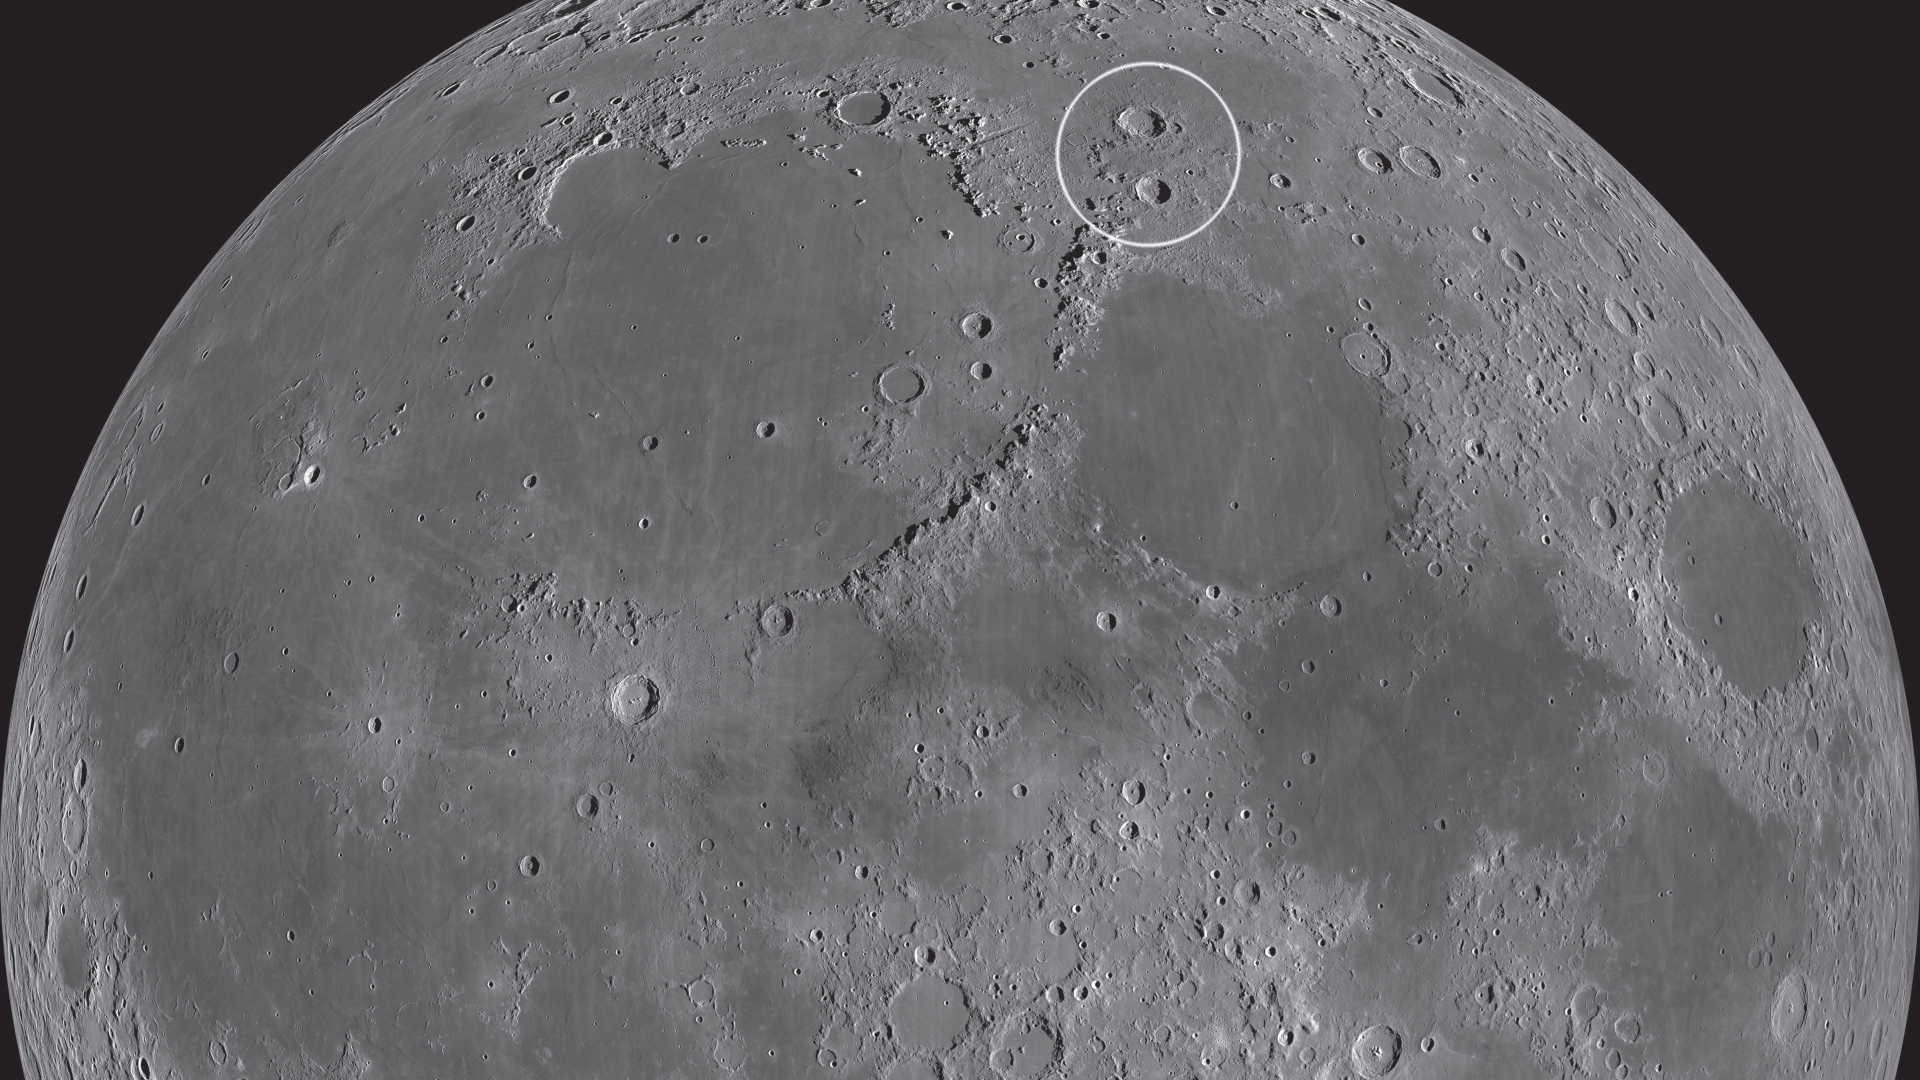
(1071, 541)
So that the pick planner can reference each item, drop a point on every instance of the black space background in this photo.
(140, 142)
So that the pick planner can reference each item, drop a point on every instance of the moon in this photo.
(791, 540)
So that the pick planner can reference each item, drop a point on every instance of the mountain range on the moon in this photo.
(957, 539)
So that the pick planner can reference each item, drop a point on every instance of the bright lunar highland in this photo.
(956, 540)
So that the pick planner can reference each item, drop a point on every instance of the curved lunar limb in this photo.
(947, 539)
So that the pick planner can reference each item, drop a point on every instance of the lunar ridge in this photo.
(949, 539)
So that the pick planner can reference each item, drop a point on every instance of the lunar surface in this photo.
(955, 541)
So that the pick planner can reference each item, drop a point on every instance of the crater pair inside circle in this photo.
(1147, 154)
